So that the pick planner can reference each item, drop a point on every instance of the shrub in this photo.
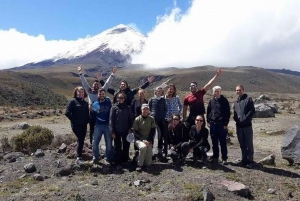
(32, 139)
(5, 145)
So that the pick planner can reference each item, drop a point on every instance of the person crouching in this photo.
(144, 131)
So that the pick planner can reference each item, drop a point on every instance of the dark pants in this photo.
(245, 137)
(121, 149)
(199, 152)
(163, 140)
(80, 133)
(182, 149)
(92, 127)
(218, 134)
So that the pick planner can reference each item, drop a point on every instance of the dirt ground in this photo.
(162, 181)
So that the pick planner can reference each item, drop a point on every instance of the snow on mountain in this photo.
(121, 38)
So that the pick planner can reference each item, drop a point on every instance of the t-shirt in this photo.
(195, 101)
(144, 125)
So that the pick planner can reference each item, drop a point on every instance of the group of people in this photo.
(127, 119)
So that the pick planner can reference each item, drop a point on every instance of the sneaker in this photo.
(138, 169)
(79, 161)
(249, 165)
(224, 162)
(214, 160)
(105, 162)
(119, 167)
(94, 161)
(204, 167)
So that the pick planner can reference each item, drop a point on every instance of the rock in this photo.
(263, 99)
(21, 126)
(263, 111)
(207, 195)
(87, 153)
(236, 187)
(22, 176)
(106, 170)
(39, 153)
(29, 168)
(38, 177)
(94, 183)
(137, 182)
(65, 171)
(269, 160)
(291, 145)
(271, 191)
(62, 148)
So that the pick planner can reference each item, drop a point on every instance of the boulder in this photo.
(39, 153)
(62, 148)
(87, 153)
(290, 147)
(207, 195)
(38, 177)
(236, 187)
(11, 157)
(29, 168)
(263, 111)
(264, 99)
(21, 126)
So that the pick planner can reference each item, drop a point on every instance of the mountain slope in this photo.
(111, 47)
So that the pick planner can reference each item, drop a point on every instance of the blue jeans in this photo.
(99, 130)
(218, 134)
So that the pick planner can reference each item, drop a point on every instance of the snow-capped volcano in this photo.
(121, 38)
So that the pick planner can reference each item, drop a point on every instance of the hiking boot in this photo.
(79, 161)
(138, 169)
(224, 162)
(249, 165)
(105, 162)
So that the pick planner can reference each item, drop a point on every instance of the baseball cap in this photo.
(130, 137)
(145, 106)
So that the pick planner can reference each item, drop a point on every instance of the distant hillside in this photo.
(286, 71)
(24, 89)
(43, 86)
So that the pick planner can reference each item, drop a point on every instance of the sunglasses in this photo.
(175, 119)
(199, 120)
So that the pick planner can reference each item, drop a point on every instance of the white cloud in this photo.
(227, 33)
(20, 48)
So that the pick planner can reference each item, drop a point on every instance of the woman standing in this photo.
(120, 122)
(78, 113)
(199, 144)
(179, 134)
(173, 102)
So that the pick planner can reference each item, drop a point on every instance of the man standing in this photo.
(144, 131)
(100, 112)
(93, 93)
(195, 100)
(218, 114)
(243, 111)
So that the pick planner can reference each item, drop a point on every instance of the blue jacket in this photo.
(101, 111)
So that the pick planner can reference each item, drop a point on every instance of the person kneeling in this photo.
(198, 143)
(144, 131)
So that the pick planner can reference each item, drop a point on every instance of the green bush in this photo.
(32, 139)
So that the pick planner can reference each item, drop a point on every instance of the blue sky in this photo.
(73, 19)
(181, 33)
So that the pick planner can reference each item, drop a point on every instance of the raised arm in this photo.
(84, 82)
(145, 85)
(208, 85)
(110, 79)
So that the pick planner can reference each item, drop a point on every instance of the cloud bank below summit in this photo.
(226, 33)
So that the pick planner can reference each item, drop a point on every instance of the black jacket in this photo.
(200, 139)
(243, 109)
(78, 112)
(158, 108)
(130, 93)
(136, 107)
(120, 119)
(218, 111)
(178, 135)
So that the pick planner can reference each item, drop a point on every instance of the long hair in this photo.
(121, 93)
(172, 85)
(77, 89)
